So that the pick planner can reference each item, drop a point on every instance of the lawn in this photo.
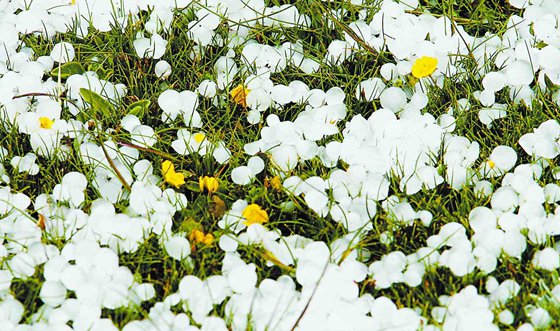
(279, 165)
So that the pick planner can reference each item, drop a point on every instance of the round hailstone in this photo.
(256, 164)
(242, 175)
(482, 218)
(228, 243)
(506, 317)
(504, 158)
(207, 88)
(72, 276)
(540, 318)
(494, 81)
(393, 99)
(163, 69)
(504, 199)
(177, 247)
(52, 293)
(547, 259)
(519, 4)
(242, 278)
(370, 89)
(170, 102)
(63, 52)
(5, 280)
(519, 73)
(143, 135)
(549, 57)
(487, 98)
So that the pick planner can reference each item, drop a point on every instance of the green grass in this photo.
(116, 57)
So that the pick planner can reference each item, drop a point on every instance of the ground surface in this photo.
(261, 165)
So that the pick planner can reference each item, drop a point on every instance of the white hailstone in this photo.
(482, 218)
(519, 4)
(506, 317)
(552, 193)
(103, 324)
(242, 175)
(461, 262)
(256, 164)
(153, 47)
(228, 243)
(505, 199)
(487, 98)
(177, 247)
(491, 284)
(52, 293)
(63, 52)
(540, 318)
(389, 71)
(207, 88)
(171, 103)
(494, 81)
(425, 217)
(25, 164)
(5, 280)
(163, 69)
(370, 89)
(483, 188)
(549, 57)
(213, 323)
(488, 115)
(242, 278)
(514, 243)
(393, 99)
(526, 326)
(519, 73)
(284, 157)
(22, 265)
(143, 135)
(281, 94)
(501, 160)
(547, 259)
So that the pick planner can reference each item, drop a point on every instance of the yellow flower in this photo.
(208, 239)
(211, 184)
(198, 237)
(424, 66)
(46, 123)
(170, 176)
(276, 183)
(491, 164)
(253, 213)
(199, 137)
(239, 95)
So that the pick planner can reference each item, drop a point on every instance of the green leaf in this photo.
(68, 69)
(97, 102)
(138, 108)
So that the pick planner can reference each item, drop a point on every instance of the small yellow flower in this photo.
(424, 66)
(274, 182)
(198, 237)
(253, 213)
(46, 123)
(491, 164)
(211, 184)
(170, 176)
(199, 137)
(239, 95)
(208, 239)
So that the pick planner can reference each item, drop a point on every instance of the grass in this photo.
(112, 53)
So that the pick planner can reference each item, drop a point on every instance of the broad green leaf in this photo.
(138, 108)
(97, 102)
(68, 69)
